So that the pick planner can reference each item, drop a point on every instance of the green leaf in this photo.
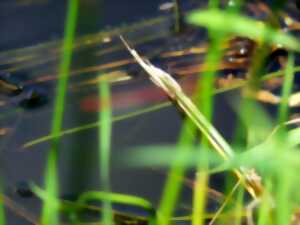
(120, 199)
(222, 21)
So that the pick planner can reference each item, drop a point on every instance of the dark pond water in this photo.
(26, 113)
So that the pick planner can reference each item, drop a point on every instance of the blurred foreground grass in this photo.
(276, 160)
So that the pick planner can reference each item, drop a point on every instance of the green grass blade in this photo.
(163, 156)
(256, 120)
(206, 87)
(120, 199)
(178, 16)
(2, 213)
(187, 138)
(284, 207)
(226, 201)
(116, 198)
(175, 176)
(97, 124)
(294, 137)
(105, 115)
(143, 111)
(50, 210)
(2, 210)
(287, 89)
(82, 202)
(223, 21)
(200, 197)
(64, 68)
(205, 101)
(265, 207)
(239, 207)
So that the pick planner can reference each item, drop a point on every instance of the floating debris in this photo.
(34, 99)
(23, 189)
(166, 6)
(8, 86)
(4, 131)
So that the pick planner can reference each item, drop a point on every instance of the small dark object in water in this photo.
(70, 197)
(34, 99)
(8, 86)
(280, 52)
(23, 189)
(276, 60)
(242, 47)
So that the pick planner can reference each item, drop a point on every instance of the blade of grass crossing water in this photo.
(2, 211)
(84, 200)
(224, 21)
(144, 111)
(174, 180)
(178, 16)
(204, 100)
(287, 89)
(105, 118)
(206, 103)
(265, 206)
(200, 197)
(172, 88)
(228, 198)
(175, 176)
(239, 211)
(65, 64)
(117, 198)
(284, 206)
(50, 210)
(121, 199)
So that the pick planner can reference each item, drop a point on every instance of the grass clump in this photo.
(228, 23)
(266, 165)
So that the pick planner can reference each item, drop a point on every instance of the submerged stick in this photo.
(165, 81)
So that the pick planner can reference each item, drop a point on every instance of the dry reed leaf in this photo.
(166, 82)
